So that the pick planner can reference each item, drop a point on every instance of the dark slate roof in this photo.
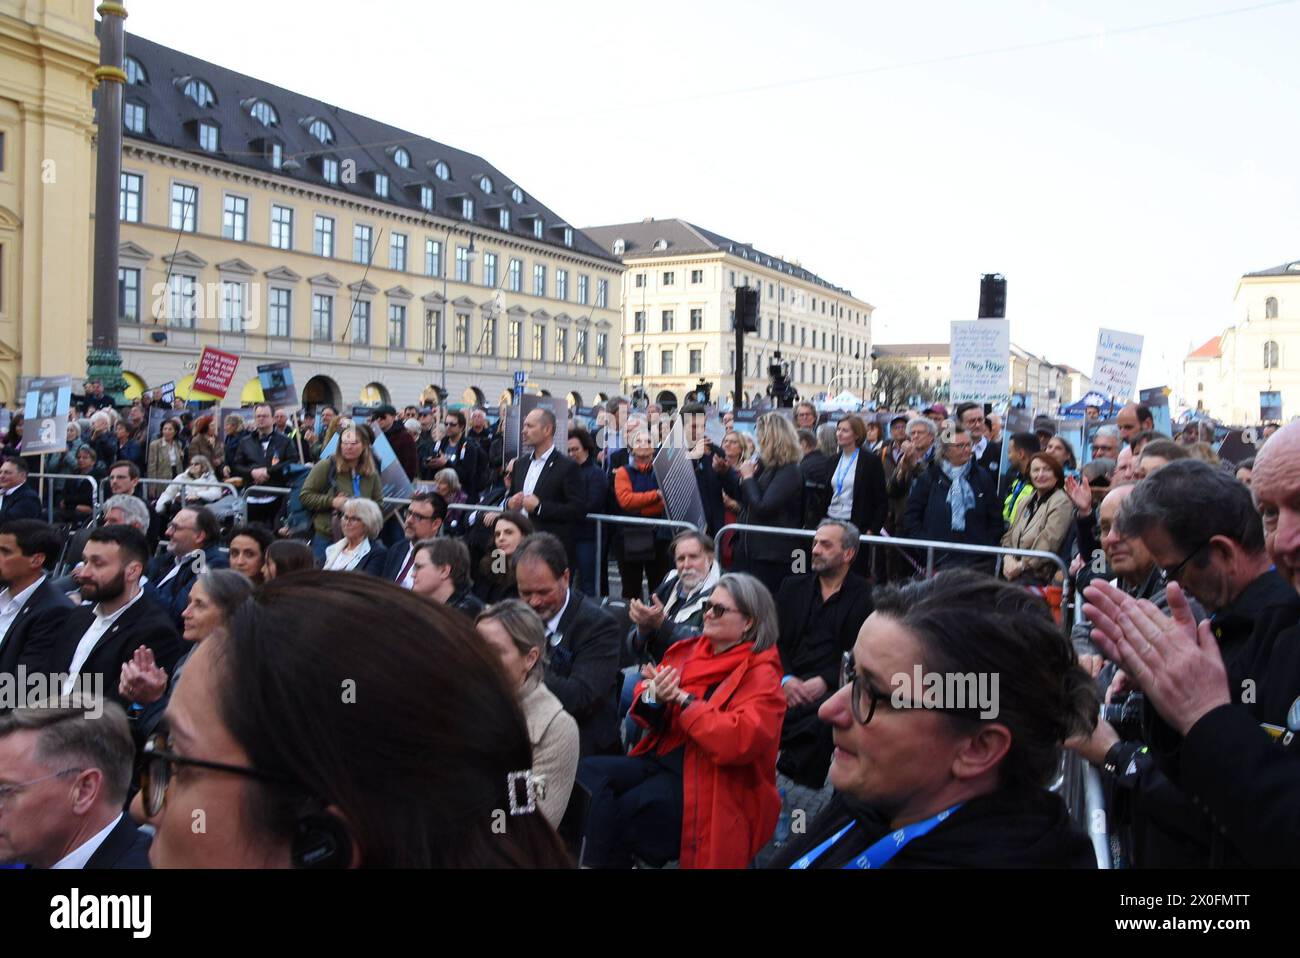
(911, 350)
(172, 118)
(683, 238)
(1286, 269)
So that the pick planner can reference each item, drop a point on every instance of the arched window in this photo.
(199, 92)
(135, 75)
(517, 195)
(321, 130)
(485, 184)
(441, 170)
(402, 158)
(1270, 308)
(1271, 355)
(263, 113)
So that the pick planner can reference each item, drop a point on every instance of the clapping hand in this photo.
(667, 684)
(646, 618)
(143, 681)
(1080, 493)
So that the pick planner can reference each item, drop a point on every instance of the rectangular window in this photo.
(503, 220)
(467, 207)
(539, 279)
(329, 169)
(638, 321)
(561, 284)
(697, 360)
(397, 252)
(568, 236)
(638, 362)
(580, 354)
(731, 320)
(361, 243)
(361, 322)
(232, 307)
(539, 229)
(582, 290)
(697, 276)
(561, 345)
(183, 293)
(278, 312)
(208, 137)
(396, 326)
(602, 348)
(666, 362)
(432, 257)
(322, 317)
(462, 332)
(516, 345)
(697, 319)
(381, 185)
(281, 227)
(602, 294)
(490, 270)
(426, 197)
(733, 278)
(323, 236)
(640, 280)
(128, 205)
(669, 278)
(666, 321)
(488, 343)
(277, 156)
(185, 208)
(128, 295)
(515, 276)
(803, 336)
(539, 343)
(234, 218)
(133, 117)
(732, 367)
(462, 264)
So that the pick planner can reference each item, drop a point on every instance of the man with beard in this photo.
(96, 640)
(820, 614)
(194, 540)
(676, 610)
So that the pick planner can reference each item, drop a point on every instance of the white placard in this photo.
(1115, 368)
(981, 361)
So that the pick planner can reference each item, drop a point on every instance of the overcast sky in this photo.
(1117, 176)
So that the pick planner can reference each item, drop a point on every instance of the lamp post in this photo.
(442, 327)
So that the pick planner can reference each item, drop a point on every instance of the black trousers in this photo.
(636, 810)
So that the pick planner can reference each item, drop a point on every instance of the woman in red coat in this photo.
(700, 786)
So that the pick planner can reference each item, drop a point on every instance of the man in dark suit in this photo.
(17, 499)
(547, 485)
(424, 518)
(457, 450)
(194, 538)
(985, 453)
(262, 458)
(711, 483)
(72, 768)
(820, 614)
(31, 609)
(583, 640)
(96, 640)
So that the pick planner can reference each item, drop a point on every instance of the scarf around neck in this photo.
(961, 497)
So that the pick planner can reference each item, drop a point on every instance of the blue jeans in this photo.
(319, 544)
(586, 550)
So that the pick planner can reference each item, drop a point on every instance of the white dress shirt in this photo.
(553, 624)
(11, 605)
(977, 450)
(78, 857)
(92, 636)
(176, 567)
(535, 467)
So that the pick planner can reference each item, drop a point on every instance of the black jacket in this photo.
(404, 448)
(928, 515)
(815, 468)
(562, 495)
(870, 503)
(1030, 829)
(773, 497)
(31, 636)
(712, 486)
(991, 460)
(468, 462)
(806, 740)
(583, 672)
(144, 623)
(595, 488)
(22, 503)
(174, 594)
(249, 456)
(126, 846)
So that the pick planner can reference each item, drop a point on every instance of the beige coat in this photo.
(1044, 529)
(554, 735)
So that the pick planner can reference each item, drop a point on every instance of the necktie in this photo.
(406, 567)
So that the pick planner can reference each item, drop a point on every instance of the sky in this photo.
(1122, 164)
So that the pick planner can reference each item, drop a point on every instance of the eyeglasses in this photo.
(1171, 574)
(9, 791)
(157, 764)
(351, 518)
(417, 516)
(717, 609)
(863, 711)
(451, 422)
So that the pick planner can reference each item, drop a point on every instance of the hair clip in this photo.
(534, 788)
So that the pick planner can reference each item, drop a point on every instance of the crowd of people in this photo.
(339, 681)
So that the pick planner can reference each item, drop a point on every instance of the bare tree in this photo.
(896, 382)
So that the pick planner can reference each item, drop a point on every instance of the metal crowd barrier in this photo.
(600, 519)
(94, 490)
(203, 483)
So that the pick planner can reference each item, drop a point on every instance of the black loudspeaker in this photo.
(993, 296)
(321, 840)
(747, 308)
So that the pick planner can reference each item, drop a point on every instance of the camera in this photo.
(1125, 714)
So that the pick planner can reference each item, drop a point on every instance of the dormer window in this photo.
(467, 207)
(485, 184)
(321, 130)
(426, 197)
(275, 153)
(261, 111)
(539, 230)
(503, 218)
(402, 158)
(329, 169)
(619, 247)
(441, 170)
(517, 194)
(568, 236)
(199, 92)
(133, 117)
(209, 137)
(381, 185)
(135, 74)
(660, 245)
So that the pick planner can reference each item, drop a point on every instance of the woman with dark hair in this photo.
(306, 748)
(76, 499)
(203, 442)
(1063, 452)
(248, 545)
(959, 693)
(166, 456)
(700, 786)
(285, 556)
(496, 573)
(130, 446)
(875, 440)
(857, 489)
(595, 486)
(1042, 523)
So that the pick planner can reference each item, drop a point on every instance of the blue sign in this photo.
(520, 377)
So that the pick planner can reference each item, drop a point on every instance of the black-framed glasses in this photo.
(417, 516)
(9, 791)
(717, 609)
(157, 762)
(1171, 574)
(864, 697)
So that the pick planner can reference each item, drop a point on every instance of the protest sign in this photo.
(981, 361)
(277, 384)
(45, 413)
(1115, 367)
(216, 371)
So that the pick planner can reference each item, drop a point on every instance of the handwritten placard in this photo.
(981, 361)
(1115, 368)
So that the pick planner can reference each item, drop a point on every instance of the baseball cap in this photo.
(939, 408)
(387, 409)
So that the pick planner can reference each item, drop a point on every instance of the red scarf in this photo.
(700, 671)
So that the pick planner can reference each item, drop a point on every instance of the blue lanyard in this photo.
(879, 854)
(356, 486)
(843, 470)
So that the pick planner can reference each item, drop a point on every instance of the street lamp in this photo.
(446, 315)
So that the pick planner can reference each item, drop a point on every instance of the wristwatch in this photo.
(687, 700)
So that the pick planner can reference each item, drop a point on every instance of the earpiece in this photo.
(320, 840)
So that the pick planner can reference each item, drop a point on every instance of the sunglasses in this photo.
(717, 609)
